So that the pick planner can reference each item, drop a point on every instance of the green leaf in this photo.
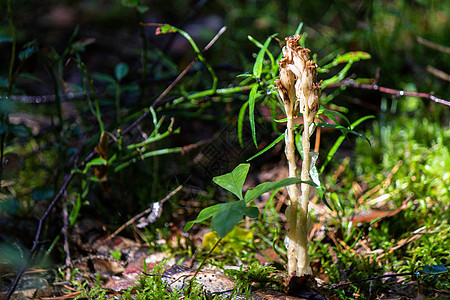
(234, 181)
(7, 106)
(166, 28)
(120, 71)
(338, 77)
(203, 216)
(76, 205)
(20, 131)
(103, 77)
(331, 113)
(95, 179)
(31, 77)
(352, 56)
(142, 9)
(146, 155)
(3, 128)
(229, 215)
(251, 112)
(251, 212)
(241, 123)
(343, 129)
(9, 205)
(42, 193)
(269, 186)
(5, 39)
(299, 28)
(95, 162)
(130, 3)
(271, 145)
(347, 57)
(339, 141)
(28, 51)
(257, 68)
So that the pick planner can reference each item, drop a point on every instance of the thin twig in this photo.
(432, 45)
(202, 264)
(385, 90)
(66, 232)
(438, 73)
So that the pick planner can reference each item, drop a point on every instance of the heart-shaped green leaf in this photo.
(120, 71)
(203, 215)
(234, 181)
(230, 215)
(251, 212)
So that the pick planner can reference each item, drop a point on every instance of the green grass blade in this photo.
(257, 67)
(338, 77)
(299, 28)
(203, 216)
(241, 123)
(352, 56)
(265, 187)
(251, 112)
(339, 141)
(270, 146)
(331, 114)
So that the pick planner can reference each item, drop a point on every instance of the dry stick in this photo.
(88, 158)
(438, 73)
(432, 45)
(132, 220)
(385, 90)
(203, 263)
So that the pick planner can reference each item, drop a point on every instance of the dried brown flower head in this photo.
(297, 83)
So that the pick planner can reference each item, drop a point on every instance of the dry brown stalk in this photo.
(299, 93)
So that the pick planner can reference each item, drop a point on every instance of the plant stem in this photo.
(291, 214)
(302, 222)
(117, 88)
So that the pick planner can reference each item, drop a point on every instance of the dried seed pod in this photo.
(298, 77)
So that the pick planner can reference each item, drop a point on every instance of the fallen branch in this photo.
(432, 45)
(397, 93)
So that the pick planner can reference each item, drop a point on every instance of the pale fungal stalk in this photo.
(299, 92)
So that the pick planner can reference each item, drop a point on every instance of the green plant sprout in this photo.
(120, 71)
(225, 216)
